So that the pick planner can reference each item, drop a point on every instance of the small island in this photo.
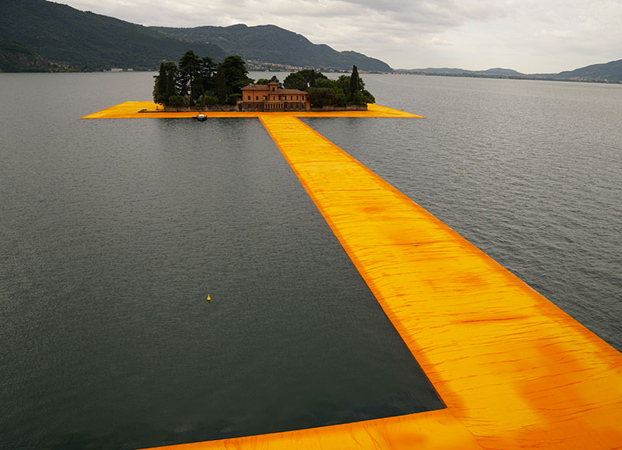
(199, 84)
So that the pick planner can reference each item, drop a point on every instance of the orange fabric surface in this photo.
(515, 371)
(513, 368)
(434, 430)
(129, 110)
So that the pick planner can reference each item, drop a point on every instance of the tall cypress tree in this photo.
(355, 83)
(164, 87)
(171, 77)
(221, 84)
(159, 87)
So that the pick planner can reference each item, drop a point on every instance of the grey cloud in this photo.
(526, 33)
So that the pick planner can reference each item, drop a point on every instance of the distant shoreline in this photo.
(507, 77)
(395, 72)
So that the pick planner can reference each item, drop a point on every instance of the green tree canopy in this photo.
(320, 97)
(235, 73)
(274, 79)
(164, 86)
(323, 91)
(303, 79)
(197, 81)
(295, 81)
(207, 70)
(221, 85)
(189, 78)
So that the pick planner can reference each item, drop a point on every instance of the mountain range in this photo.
(70, 38)
(274, 45)
(610, 72)
(67, 38)
(38, 35)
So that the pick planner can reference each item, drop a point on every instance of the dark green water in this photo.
(113, 234)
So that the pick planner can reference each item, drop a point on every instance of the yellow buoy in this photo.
(209, 299)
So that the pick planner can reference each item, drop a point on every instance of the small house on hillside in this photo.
(268, 97)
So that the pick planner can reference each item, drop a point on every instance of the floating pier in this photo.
(149, 110)
(514, 370)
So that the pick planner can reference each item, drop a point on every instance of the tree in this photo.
(179, 100)
(192, 83)
(368, 97)
(304, 79)
(312, 77)
(164, 86)
(343, 83)
(323, 91)
(236, 75)
(209, 100)
(221, 85)
(201, 82)
(320, 97)
(295, 81)
(159, 86)
(341, 99)
(356, 84)
(274, 79)
(189, 76)
(207, 69)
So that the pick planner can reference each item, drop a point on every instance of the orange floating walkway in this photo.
(130, 110)
(515, 371)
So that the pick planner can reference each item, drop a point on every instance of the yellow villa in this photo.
(268, 97)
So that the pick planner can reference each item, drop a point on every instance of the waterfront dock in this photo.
(149, 110)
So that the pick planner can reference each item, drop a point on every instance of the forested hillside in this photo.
(74, 39)
(271, 44)
(17, 58)
(69, 37)
(611, 71)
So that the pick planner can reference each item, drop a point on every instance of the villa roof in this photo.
(256, 87)
(265, 87)
(290, 91)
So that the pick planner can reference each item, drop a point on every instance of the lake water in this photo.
(113, 232)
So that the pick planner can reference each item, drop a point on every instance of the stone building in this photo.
(268, 97)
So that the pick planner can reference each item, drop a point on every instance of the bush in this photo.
(369, 98)
(320, 97)
(234, 98)
(341, 99)
(209, 100)
(358, 98)
(178, 101)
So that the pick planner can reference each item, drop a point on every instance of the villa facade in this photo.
(268, 97)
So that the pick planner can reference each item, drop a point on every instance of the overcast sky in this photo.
(531, 36)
